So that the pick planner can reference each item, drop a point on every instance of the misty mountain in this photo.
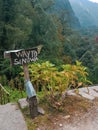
(64, 11)
(86, 11)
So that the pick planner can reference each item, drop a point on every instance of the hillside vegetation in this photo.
(28, 23)
(86, 11)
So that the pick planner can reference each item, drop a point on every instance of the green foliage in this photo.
(3, 80)
(53, 82)
(14, 86)
(76, 75)
(28, 23)
(9, 73)
(15, 94)
(8, 94)
(95, 69)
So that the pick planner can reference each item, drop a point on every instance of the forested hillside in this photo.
(86, 11)
(63, 10)
(51, 23)
(28, 23)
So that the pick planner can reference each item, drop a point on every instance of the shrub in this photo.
(53, 82)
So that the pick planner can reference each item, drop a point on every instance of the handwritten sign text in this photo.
(24, 56)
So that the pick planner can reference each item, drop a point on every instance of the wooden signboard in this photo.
(20, 57)
(23, 57)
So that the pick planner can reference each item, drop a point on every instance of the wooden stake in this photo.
(26, 72)
(32, 100)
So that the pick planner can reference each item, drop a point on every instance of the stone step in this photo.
(88, 92)
(85, 95)
(11, 118)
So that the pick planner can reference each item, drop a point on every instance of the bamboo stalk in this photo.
(4, 95)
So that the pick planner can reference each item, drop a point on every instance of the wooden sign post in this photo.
(23, 57)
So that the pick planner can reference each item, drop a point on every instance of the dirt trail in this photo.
(88, 121)
(11, 117)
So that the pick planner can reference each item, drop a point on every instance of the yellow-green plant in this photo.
(41, 74)
(54, 82)
(76, 75)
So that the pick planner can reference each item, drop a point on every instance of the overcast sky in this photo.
(94, 0)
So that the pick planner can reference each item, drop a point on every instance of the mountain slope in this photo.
(64, 11)
(86, 11)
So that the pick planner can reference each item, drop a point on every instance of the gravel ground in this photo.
(88, 121)
(11, 118)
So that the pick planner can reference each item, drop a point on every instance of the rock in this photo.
(95, 88)
(60, 125)
(38, 129)
(87, 92)
(41, 111)
(85, 95)
(92, 92)
(23, 103)
(71, 92)
(11, 118)
(66, 117)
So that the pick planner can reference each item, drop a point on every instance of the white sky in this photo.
(94, 1)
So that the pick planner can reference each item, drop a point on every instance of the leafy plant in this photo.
(53, 82)
(15, 94)
(76, 75)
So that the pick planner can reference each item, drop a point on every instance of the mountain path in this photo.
(11, 117)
